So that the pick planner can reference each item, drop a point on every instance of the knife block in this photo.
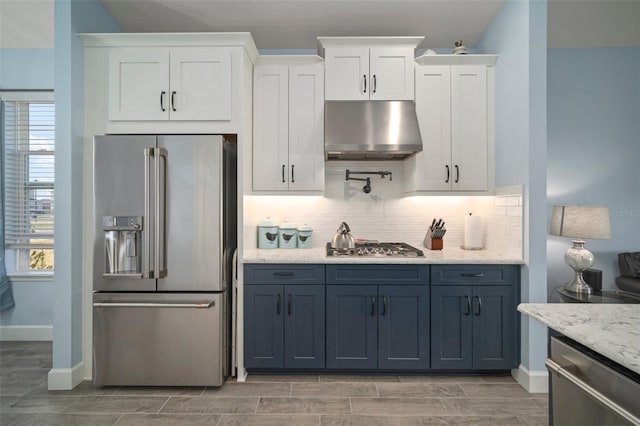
(432, 243)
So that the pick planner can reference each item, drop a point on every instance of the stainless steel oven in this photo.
(588, 389)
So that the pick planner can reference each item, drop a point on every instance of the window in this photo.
(28, 134)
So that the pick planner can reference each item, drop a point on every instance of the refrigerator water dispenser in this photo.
(122, 238)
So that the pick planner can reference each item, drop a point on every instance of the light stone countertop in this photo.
(448, 255)
(612, 330)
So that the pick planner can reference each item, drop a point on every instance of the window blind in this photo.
(28, 128)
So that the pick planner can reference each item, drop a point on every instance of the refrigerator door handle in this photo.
(204, 305)
(146, 241)
(160, 215)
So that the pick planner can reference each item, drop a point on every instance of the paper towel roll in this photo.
(473, 232)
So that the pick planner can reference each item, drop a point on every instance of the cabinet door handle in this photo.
(373, 305)
(479, 305)
(468, 310)
(173, 105)
(384, 305)
(365, 83)
(448, 173)
(278, 305)
(293, 178)
(473, 275)
(283, 274)
(289, 305)
(457, 173)
(374, 83)
(283, 173)
(162, 100)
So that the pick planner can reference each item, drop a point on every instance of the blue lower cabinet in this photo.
(371, 326)
(473, 327)
(494, 328)
(352, 326)
(284, 326)
(263, 326)
(304, 326)
(403, 327)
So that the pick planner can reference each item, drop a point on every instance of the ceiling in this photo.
(295, 24)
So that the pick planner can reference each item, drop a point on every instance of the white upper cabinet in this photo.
(369, 68)
(288, 141)
(178, 83)
(454, 104)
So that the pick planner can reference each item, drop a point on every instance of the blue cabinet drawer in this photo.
(283, 274)
(474, 274)
(378, 274)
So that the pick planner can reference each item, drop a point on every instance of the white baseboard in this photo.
(66, 378)
(532, 381)
(26, 332)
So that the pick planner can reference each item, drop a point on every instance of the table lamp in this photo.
(580, 222)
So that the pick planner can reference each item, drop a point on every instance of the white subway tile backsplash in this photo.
(387, 215)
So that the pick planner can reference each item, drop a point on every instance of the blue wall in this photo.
(71, 17)
(518, 36)
(594, 148)
(28, 69)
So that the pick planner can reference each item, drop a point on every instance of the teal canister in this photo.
(304, 236)
(267, 234)
(287, 235)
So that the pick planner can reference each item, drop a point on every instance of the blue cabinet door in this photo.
(494, 328)
(264, 326)
(304, 326)
(451, 327)
(352, 322)
(403, 327)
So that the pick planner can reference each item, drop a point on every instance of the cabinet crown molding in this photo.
(405, 41)
(488, 60)
(236, 39)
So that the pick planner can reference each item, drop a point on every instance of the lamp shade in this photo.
(591, 222)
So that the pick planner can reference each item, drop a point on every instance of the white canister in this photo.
(304, 236)
(288, 235)
(267, 234)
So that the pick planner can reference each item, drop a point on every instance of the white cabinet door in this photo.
(306, 127)
(347, 74)
(200, 84)
(138, 84)
(433, 171)
(391, 73)
(469, 139)
(270, 128)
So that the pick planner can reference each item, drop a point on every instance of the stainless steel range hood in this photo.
(373, 130)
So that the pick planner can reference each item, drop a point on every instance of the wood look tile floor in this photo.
(264, 400)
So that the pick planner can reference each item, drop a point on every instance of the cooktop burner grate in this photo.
(377, 250)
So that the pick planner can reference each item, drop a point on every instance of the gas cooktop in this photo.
(377, 250)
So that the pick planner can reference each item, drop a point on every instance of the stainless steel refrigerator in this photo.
(164, 237)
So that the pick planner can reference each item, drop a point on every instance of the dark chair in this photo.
(629, 279)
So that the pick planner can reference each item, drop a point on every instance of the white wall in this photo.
(594, 149)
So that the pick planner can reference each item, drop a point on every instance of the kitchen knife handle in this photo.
(373, 305)
(283, 173)
(374, 83)
(293, 178)
(289, 304)
(278, 305)
(384, 305)
(467, 312)
(457, 173)
(479, 305)
(365, 83)
(448, 173)
(162, 100)
(173, 105)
